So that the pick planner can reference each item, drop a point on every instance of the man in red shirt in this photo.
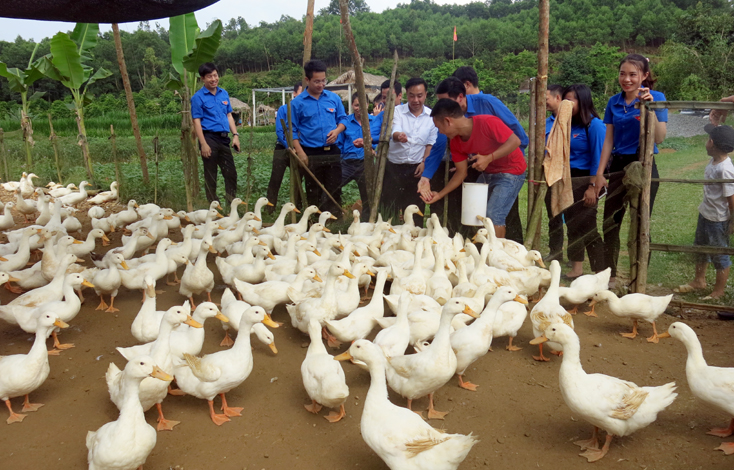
(491, 147)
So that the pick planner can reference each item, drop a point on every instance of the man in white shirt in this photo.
(413, 135)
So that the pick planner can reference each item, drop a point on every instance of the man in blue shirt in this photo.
(212, 115)
(318, 118)
(376, 125)
(351, 144)
(281, 158)
(553, 98)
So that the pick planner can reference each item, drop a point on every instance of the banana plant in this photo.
(68, 63)
(21, 81)
(190, 47)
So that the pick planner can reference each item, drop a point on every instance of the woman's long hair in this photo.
(642, 64)
(587, 112)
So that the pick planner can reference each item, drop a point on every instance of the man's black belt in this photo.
(218, 134)
(325, 148)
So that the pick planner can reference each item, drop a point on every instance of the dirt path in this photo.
(518, 412)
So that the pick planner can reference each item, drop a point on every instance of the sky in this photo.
(252, 11)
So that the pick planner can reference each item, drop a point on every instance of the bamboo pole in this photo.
(447, 158)
(55, 144)
(633, 241)
(688, 105)
(295, 178)
(383, 146)
(308, 35)
(156, 151)
(130, 102)
(113, 139)
(531, 148)
(708, 250)
(533, 233)
(4, 155)
(644, 237)
(716, 308)
(249, 167)
(369, 154)
(676, 180)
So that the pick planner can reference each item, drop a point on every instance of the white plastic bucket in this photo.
(474, 203)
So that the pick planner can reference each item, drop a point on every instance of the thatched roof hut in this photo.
(241, 111)
(369, 80)
(265, 115)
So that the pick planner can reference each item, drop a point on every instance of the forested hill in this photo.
(425, 29)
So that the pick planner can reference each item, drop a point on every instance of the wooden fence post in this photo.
(113, 139)
(55, 144)
(3, 155)
(383, 146)
(531, 149)
(156, 152)
(648, 156)
(543, 27)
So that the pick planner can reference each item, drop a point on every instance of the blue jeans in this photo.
(503, 190)
(709, 233)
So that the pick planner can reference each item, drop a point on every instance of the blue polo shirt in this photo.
(549, 125)
(346, 139)
(279, 131)
(211, 109)
(586, 144)
(314, 118)
(626, 121)
(476, 105)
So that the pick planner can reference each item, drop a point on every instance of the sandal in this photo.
(566, 277)
(685, 289)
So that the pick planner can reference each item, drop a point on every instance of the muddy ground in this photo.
(517, 412)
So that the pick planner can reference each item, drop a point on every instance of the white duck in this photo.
(583, 289)
(218, 373)
(63, 191)
(712, 385)
(127, 216)
(197, 277)
(27, 187)
(549, 311)
(198, 217)
(74, 199)
(617, 406)
(152, 392)
(417, 375)
(508, 321)
(438, 286)
(189, 339)
(401, 438)
(147, 322)
(323, 377)
(7, 221)
(394, 339)
(637, 307)
(89, 243)
(270, 294)
(106, 196)
(27, 207)
(474, 341)
(108, 281)
(361, 322)
(126, 443)
(20, 374)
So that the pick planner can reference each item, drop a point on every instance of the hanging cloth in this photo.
(557, 161)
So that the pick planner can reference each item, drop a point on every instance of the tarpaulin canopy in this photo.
(98, 11)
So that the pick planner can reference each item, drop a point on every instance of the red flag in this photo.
(454, 33)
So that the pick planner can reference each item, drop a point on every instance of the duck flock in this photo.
(449, 298)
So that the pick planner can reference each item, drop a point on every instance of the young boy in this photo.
(716, 212)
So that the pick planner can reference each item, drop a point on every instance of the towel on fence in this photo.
(557, 162)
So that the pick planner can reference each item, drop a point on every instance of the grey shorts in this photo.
(710, 233)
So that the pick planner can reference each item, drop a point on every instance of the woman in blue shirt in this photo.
(587, 140)
(620, 148)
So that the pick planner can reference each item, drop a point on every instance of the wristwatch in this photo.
(235, 134)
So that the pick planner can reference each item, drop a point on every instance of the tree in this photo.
(20, 81)
(190, 48)
(68, 63)
(355, 7)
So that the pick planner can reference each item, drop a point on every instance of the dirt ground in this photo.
(517, 412)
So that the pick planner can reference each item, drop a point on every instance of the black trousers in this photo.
(555, 232)
(513, 223)
(614, 206)
(281, 161)
(325, 164)
(353, 170)
(581, 223)
(399, 190)
(221, 157)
